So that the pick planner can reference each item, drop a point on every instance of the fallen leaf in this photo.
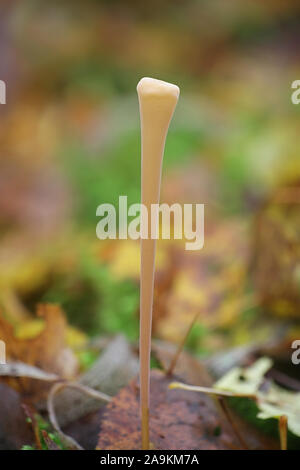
(193, 371)
(272, 401)
(14, 431)
(187, 367)
(19, 369)
(67, 440)
(27, 329)
(180, 420)
(85, 429)
(47, 351)
(245, 380)
(116, 366)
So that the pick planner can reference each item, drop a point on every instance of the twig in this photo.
(209, 391)
(227, 412)
(179, 350)
(49, 442)
(249, 301)
(31, 416)
(282, 425)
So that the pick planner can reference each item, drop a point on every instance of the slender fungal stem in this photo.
(157, 101)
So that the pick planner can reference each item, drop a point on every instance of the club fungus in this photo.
(157, 101)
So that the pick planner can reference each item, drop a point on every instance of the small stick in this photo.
(282, 425)
(30, 413)
(49, 442)
(209, 390)
(249, 302)
(227, 412)
(157, 101)
(180, 347)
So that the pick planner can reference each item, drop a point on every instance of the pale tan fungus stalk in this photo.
(157, 101)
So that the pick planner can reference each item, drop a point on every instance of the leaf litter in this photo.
(272, 401)
(182, 422)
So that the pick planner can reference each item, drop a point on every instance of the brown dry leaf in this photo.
(85, 429)
(19, 369)
(114, 369)
(180, 420)
(67, 440)
(46, 351)
(193, 371)
(187, 367)
(14, 431)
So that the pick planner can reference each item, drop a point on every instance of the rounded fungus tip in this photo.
(154, 87)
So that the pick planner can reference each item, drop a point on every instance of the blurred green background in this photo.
(69, 141)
